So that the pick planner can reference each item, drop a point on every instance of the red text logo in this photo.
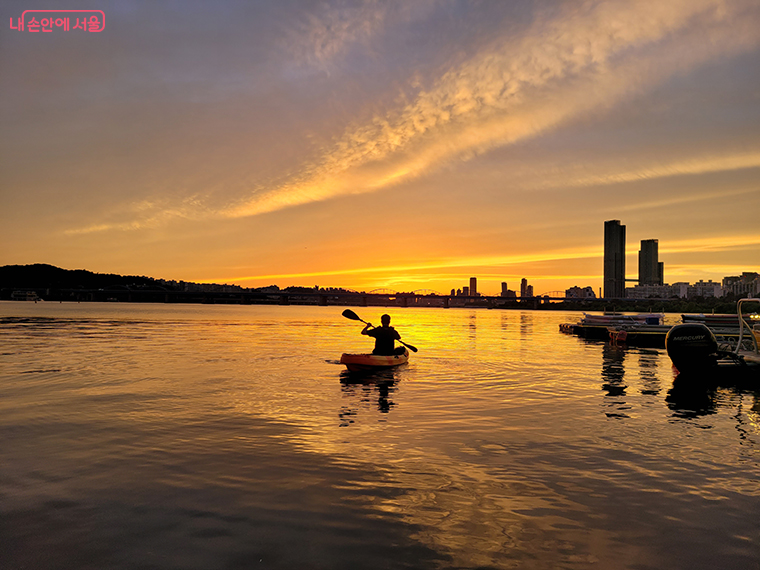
(60, 20)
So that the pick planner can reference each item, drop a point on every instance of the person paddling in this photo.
(385, 337)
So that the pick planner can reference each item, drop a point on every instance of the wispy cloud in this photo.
(705, 271)
(691, 198)
(702, 244)
(440, 263)
(567, 64)
(712, 243)
(148, 214)
(331, 29)
(328, 31)
(693, 166)
(561, 68)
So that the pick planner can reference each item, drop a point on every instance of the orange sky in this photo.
(368, 144)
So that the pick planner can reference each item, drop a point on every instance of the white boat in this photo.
(25, 296)
(621, 319)
(597, 326)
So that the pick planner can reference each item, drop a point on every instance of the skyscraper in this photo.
(650, 268)
(614, 259)
(474, 286)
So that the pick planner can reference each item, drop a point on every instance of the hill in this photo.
(43, 276)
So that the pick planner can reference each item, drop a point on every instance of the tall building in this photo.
(650, 268)
(474, 286)
(524, 287)
(506, 292)
(614, 259)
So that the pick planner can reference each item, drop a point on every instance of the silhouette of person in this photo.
(385, 337)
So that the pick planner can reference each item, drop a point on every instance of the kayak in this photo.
(368, 362)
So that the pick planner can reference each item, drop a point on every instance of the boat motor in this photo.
(692, 347)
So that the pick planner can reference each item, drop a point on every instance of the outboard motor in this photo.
(692, 347)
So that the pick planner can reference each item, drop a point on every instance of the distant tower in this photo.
(473, 286)
(650, 268)
(504, 289)
(465, 291)
(524, 287)
(614, 259)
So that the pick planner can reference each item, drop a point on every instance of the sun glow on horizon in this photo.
(448, 272)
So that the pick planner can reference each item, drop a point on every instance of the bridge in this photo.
(554, 294)
(378, 297)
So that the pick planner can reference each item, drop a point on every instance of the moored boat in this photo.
(370, 362)
(621, 319)
(597, 326)
(695, 353)
(720, 320)
(653, 336)
(25, 296)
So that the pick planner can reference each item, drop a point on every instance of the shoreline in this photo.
(712, 305)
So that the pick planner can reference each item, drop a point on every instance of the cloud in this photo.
(576, 62)
(330, 30)
(711, 243)
(148, 214)
(705, 271)
(692, 166)
(441, 263)
(702, 244)
(325, 33)
(561, 68)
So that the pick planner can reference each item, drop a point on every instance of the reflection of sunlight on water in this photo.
(502, 441)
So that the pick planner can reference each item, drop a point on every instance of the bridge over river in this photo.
(378, 297)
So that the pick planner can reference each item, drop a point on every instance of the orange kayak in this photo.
(366, 362)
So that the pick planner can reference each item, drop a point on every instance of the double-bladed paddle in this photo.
(349, 314)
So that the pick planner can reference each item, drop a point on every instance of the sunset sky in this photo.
(405, 144)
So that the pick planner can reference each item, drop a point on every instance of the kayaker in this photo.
(385, 337)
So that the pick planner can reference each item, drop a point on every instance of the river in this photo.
(209, 436)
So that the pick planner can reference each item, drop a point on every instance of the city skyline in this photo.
(42, 277)
(377, 144)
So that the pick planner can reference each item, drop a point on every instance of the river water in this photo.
(207, 436)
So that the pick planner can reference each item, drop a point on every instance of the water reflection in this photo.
(648, 364)
(498, 457)
(748, 426)
(472, 326)
(362, 388)
(526, 324)
(690, 400)
(699, 395)
(504, 323)
(613, 371)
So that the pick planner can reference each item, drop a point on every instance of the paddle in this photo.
(349, 314)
